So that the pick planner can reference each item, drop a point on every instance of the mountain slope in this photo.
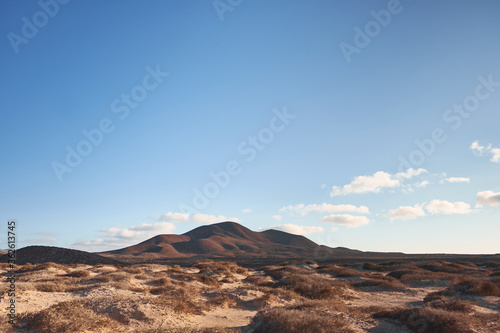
(221, 239)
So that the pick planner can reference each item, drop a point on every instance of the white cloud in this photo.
(114, 238)
(210, 219)
(377, 182)
(488, 198)
(422, 184)
(456, 180)
(277, 217)
(406, 212)
(365, 184)
(446, 207)
(410, 173)
(247, 210)
(197, 218)
(476, 148)
(495, 155)
(174, 217)
(333, 229)
(347, 220)
(479, 150)
(324, 208)
(297, 229)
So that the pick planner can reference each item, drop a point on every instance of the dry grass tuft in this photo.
(181, 275)
(28, 267)
(313, 287)
(68, 317)
(209, 266)
(222, 301)
(133, 270)
(342, 272)
(471, 287)
(491, 264)
(179, 299)
(162, 282)
(258, 280)
(304, 319)
(58, 286)
(383, 282)
(437, 301)
(428, 320)
(279, 272)
(79, 274)
(369, 266)
(112, 277)
(476, 287)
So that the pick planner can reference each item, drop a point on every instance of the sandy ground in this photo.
(135, 309)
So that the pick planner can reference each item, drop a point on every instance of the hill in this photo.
(227, 239)
(59, 255)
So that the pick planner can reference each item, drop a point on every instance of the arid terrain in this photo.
(221, 296)
(227, 278)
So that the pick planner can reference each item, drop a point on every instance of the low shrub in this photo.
(369, 266)
(222, 300)
(258, 280)
(133, 270)
(428, 320)
(294, 321)
(162, 282)
(384, 283)
(79, 274)
(67, 317)
(476, 287)
(437, 301)
(338, 271)
(313, 287)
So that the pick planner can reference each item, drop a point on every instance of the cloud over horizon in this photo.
(113, 238)
(174, 217)
(296, 229)
(196, 218)
(211, 219)
(347, 220)
(406, 212)
(435, 207)
(456, 180)
(303, 210)
(448, 208)
(488, 198)
(376, 183)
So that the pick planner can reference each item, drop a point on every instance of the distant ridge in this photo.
(225, 239)
(41, 254)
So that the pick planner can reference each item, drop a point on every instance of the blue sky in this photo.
(118, 116)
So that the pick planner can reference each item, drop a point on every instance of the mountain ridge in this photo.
(224, 239)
